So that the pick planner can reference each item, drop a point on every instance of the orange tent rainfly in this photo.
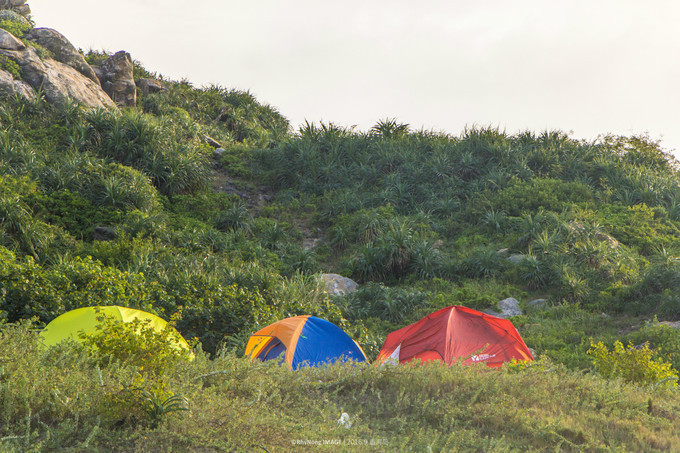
(456, 333)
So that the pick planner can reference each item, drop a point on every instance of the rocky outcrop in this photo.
(61, 81)
(117, 80)
(57, 80)
(9, 42)
(63, 50)
(18, 6)
(149, 86)
(15, 87)
(11, 16)
(337, 285)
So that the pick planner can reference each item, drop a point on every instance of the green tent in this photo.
(84, 320)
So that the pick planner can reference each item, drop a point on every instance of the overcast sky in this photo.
(587, 66)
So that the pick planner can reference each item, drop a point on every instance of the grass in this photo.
(58, 400)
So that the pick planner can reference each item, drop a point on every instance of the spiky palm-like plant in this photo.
(236, 217)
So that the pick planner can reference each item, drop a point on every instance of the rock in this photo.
(674, 325)
(57, 80)
(15, 87)
(12, 16)
(98, 72)
(24, 10)
(218, 152)
(117, 79)
(9, 41)
(212, 142)
(337, 285)
(104, 234)
(516, 258)
(63, 50)
(17, 6)
(509, 307)
(63, 81)
(150, 86)
(538, 303)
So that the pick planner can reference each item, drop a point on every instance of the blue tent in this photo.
(303, 341)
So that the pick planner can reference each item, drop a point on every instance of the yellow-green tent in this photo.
(84, 320)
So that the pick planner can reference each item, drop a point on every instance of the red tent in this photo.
(454, 333)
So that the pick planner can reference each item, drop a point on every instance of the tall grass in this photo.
(54, 401)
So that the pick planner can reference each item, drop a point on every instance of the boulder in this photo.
(61, 81)
(62, 49)
(516, 258)
(104, 234)
(508, 307)
(538, 303)
(10, 42)
(117, 79)
(150, 86)
(57, 80)
(12, 16)
(10, 86)
(24, 10)
(212, 142)
(17, 6)
(218, 152)
(337, 285)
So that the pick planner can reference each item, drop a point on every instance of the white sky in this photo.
(587, 66)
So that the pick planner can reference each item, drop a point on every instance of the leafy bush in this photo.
(663, 339)
(550, 194)
(632, 364)
(135, 343)
(15, 24)
(10, 65)
(221, 312)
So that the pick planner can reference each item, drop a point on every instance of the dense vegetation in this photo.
(133, 207)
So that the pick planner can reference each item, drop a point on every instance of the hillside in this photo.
(204, 206)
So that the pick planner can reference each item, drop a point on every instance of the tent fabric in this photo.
(84, 320)
(303, 341)
(456, 333)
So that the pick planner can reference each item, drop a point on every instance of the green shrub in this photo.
(373, 300)
(632, 364)
(18, 26)
(222, 311)
(135, 343)
(144, 403)
(10, 65)
(550, 194)
(663, 339)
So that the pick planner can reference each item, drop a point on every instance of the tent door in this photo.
(273, 350)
